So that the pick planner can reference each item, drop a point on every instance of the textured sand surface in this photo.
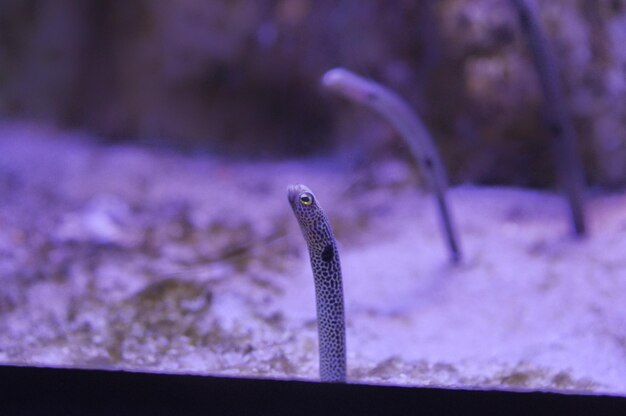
(139, 258)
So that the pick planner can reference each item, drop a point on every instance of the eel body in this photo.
(559, 120)
(328, 283)
(419, 141)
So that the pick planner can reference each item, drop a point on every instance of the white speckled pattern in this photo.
(328, 285)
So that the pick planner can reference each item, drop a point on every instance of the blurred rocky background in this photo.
(242, 77)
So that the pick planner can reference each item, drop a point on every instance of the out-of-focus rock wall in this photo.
(243, 76)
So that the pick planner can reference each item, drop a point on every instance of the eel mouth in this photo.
(292, 193)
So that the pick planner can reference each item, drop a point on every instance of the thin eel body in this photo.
(328, 283)
(564, 140)
(403, 119)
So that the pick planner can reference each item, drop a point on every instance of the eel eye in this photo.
(306, 198)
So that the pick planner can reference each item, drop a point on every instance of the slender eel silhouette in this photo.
(564, 147)
(403, 119)
(328, 285)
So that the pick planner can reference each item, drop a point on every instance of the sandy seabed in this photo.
(130, 257)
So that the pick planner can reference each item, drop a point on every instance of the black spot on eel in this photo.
(328, 284)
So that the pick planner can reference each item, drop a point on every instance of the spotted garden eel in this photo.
(328, 285)
(399, 115)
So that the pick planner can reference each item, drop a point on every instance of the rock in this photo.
(242, 77)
